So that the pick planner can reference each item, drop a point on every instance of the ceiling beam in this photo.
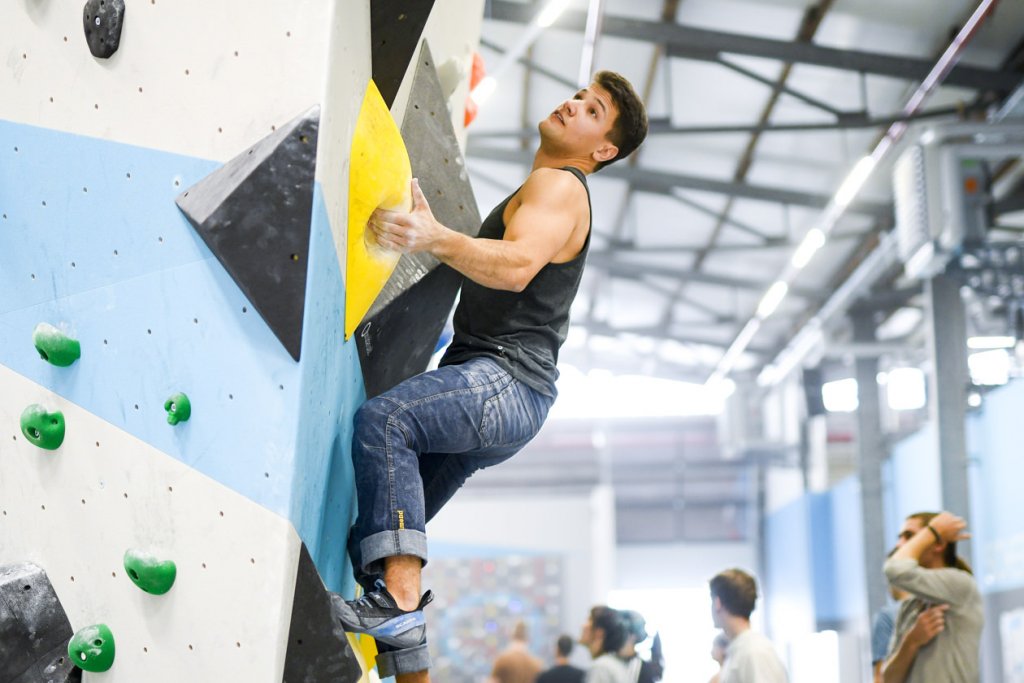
(615, 248)
(774, 84)
(708, 45)
(532, 65)
(632, 269)
(743, 227)
(663, 182)
(657, 332)
(662, 126)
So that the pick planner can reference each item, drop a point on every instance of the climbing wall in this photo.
(130, 220)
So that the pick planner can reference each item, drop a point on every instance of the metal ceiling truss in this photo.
(708, 45)
(850, 121)
(532, 65)
(632, 269)
(659, 332)
(663, 182)
(743, 227)
(796, 94)
(624, 247)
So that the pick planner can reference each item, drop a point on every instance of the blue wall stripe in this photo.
(90, 238)
(331, 390)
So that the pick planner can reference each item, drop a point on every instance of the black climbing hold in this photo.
(34, 629)
(318, 650)
(402, 327)
(436, 160)
(395, 30)
(103, 20)
(397, 342)
(254, 214)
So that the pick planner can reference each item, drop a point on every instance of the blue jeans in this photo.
(414, 446)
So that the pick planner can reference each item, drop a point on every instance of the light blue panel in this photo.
(823, 552)
(323, 503)
(980, 521)
(67, 199)
(916, 481)
(1001, 542)
(788, 584)
(851, 597)
(158, 317)
(890, 522)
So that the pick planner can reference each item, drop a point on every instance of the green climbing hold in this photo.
(54, 346)
(148, 573)
(43, 428)
(179, 408)
(92, 648)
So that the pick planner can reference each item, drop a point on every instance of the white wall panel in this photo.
(200, 78)
(74, 511)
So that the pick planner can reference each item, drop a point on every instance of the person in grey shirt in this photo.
(944, 595)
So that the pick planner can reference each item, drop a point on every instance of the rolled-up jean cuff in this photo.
(389, 544)
(407, 661)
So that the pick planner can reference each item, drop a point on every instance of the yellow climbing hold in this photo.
(365, 649)
(379, 177)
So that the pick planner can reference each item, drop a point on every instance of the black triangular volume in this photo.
(397, 342)
(254, 214)
(437, 162)
(34, 629)
(395, 30)
(318, 649)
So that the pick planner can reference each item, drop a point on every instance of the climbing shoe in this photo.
(377, 614)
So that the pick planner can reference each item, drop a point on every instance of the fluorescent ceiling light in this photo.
(840, 396)
(731, 355)
(989, 367)
(551, 12)
(991, 342)
(905, 389)
(812, 242)
(772, 298)
(851, 186)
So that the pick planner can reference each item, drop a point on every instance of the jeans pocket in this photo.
(512, 416)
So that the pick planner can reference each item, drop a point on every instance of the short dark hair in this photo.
(737, 591)
(630, 126)
(614, 627)
(636, 626)
(564, 645)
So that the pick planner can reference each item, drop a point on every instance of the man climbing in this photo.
(416, 444)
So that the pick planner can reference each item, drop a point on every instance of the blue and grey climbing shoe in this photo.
(377, 614)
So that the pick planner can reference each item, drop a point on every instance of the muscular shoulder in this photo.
(552, 186)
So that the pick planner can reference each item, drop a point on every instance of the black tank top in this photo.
(521, 331)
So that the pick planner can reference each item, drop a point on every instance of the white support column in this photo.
(870, 447)
(948, 382)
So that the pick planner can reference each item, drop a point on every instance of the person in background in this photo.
(604, 634)
(640, 670)
(718, 647)
(515, 664)
(562, 671)
(750, 657)
(938, 629)
(882, 625)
